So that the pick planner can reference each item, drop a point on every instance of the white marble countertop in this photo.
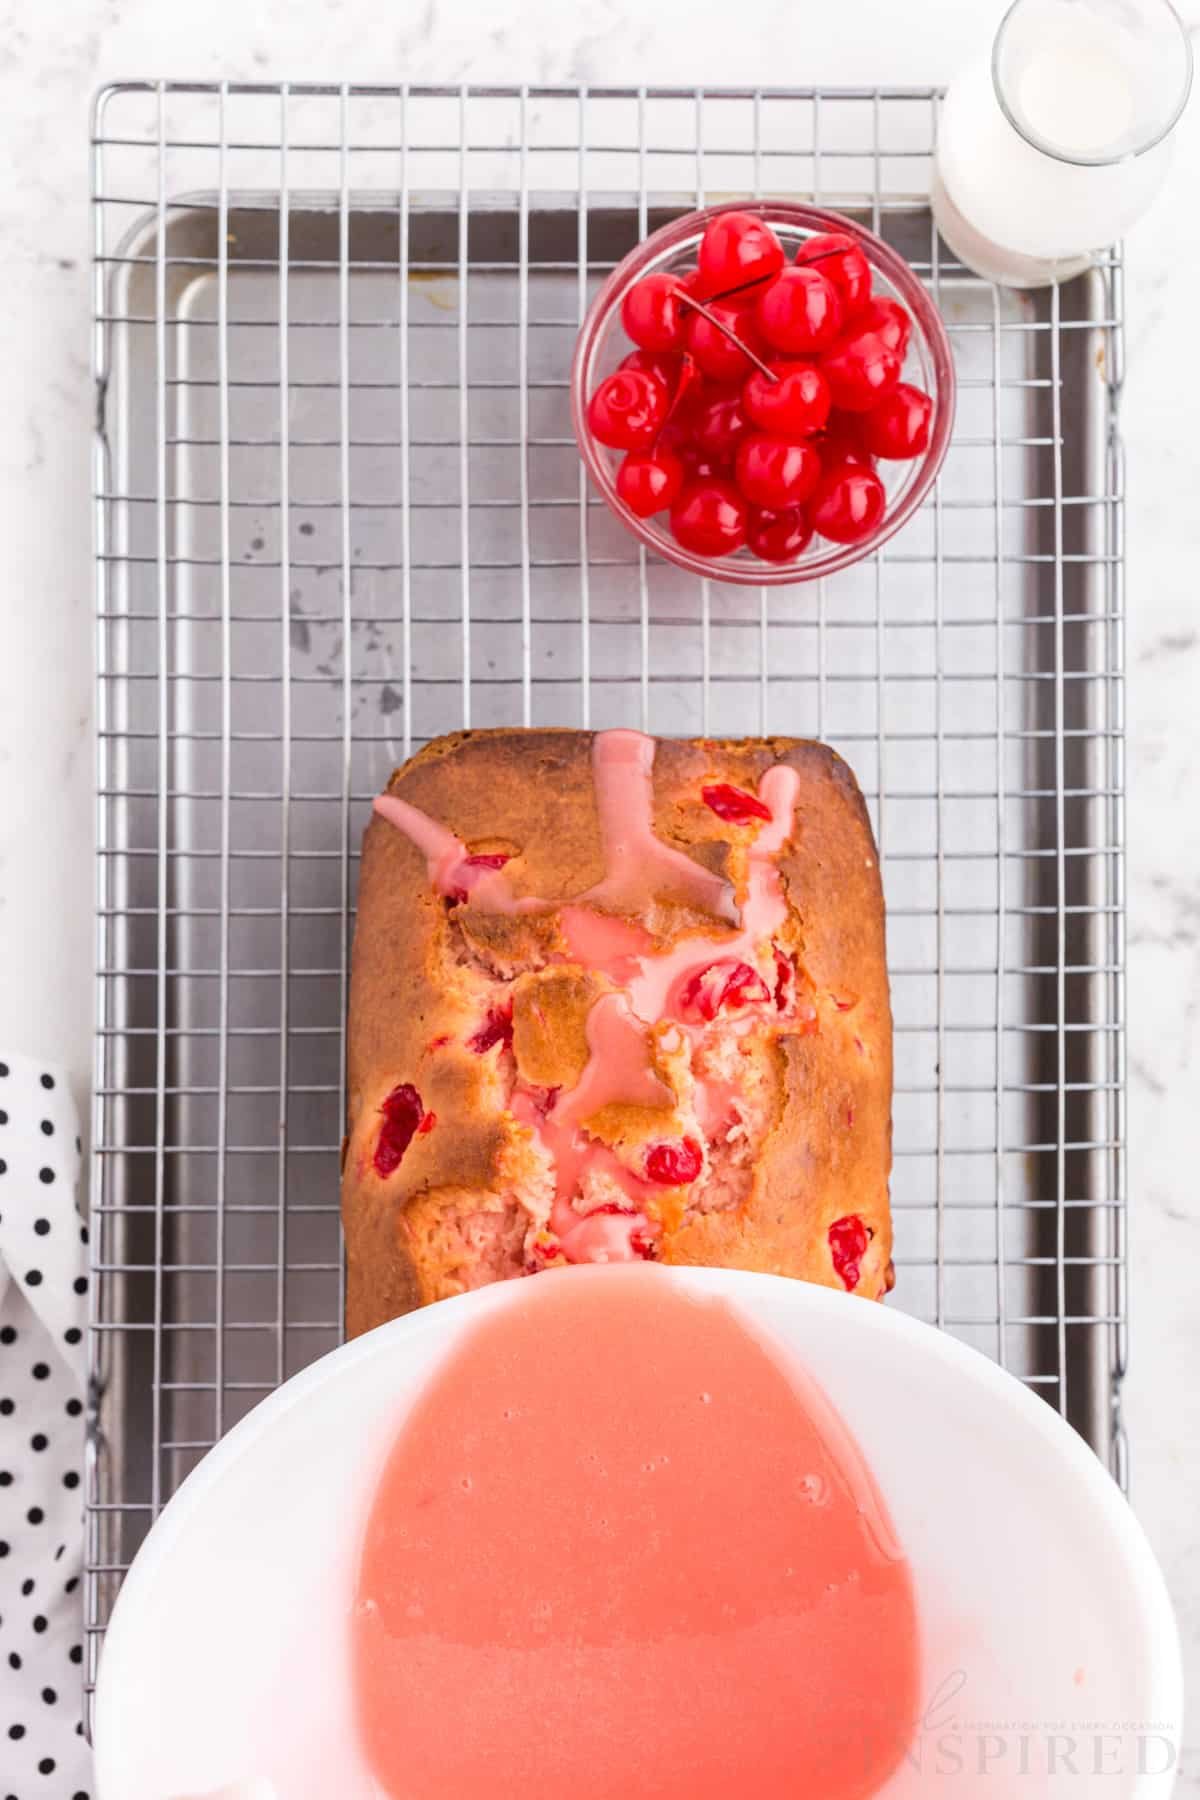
(51, 60)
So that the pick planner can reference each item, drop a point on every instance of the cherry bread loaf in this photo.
(616, 997)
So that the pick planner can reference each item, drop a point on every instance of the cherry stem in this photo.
(728, 331)
(744, 287)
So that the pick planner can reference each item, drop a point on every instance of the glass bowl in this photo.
(929, 364)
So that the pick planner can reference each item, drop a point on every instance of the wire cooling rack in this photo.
(339, 510)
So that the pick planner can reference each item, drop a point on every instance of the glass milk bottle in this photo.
(1052, 146)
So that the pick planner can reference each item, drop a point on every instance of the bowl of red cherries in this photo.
(763, 393)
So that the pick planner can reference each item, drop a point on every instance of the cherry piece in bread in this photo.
(792, 405)
(848, 1240)
(724, 986)
(709, 517)
(848, 504)
(800, 312)
(489, 859)
(777, 472)
(403, 1116)
(898, 427)
(843, 264)
(733, 804)
(649, 481)
(497, 1028)
(737, 248)
(785, 978)
(653, 314)
(779, 537)
(674, 1165)
(628, 410)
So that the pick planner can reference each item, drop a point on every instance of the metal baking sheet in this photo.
(339, 510)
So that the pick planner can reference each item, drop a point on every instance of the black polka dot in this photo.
(80, 1284)
(58, 1554)
(46, 1176)
(39, 1622)
(49, 1696)
(70, 1479)
(27, 1586)
(40, 1371)
(3, 1166)
(83, 1235)
(79, 1146)
(46, 1766)
(41, 1226)
(47, 1081)
(16, 1731)
(14, 1661)
(80, 1795)
(5, 1478)
(38, 1441)
(3, 1070)
(76, 1653)
(71, 1585)
(3, 1116)
(6, 1407)
(33, 1278)
(3, 1547)
(47, 1128)
(73, 1336)
(74, 1408)
(8, 1335)
(35, 1515)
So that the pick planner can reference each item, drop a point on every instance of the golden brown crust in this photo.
(427, 975)
(550, 1009)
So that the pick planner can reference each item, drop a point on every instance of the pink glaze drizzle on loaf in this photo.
(638, 865)
(654, 990)
(598, 1210)
(437, 843)
(618, 1070)
(576, 1156)
(613, 947)
(453, 871)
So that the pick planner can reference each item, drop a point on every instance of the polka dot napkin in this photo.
(43, 1286)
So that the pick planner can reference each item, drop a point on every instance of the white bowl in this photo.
(1048, 1637)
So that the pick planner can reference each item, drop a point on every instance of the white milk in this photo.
(1027, 205)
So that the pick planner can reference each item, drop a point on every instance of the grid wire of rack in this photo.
(339, 510)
